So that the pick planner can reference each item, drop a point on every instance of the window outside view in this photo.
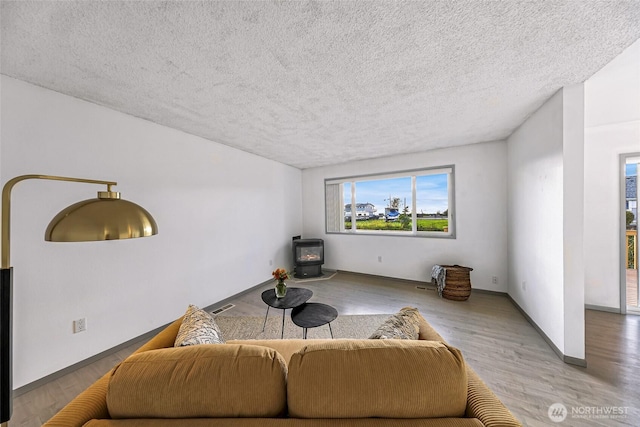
(631, 202)
(394, 203)
(631, 208)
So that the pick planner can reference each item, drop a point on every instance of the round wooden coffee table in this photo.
(293, 298)
(312, 315)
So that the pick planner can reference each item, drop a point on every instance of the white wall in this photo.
(481, 234)
(573, 220)
(545, 211)
(222, 215)
(535, 212)
(612, 121)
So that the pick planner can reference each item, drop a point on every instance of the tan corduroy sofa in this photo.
(310, 383)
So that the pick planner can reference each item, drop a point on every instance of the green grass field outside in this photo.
(380, 224)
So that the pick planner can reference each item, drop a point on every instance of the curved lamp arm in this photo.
(6, 206)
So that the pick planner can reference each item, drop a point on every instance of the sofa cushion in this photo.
(377, 378)
(198, 327)
(199, 381)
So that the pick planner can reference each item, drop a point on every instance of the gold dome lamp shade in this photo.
(107, 217)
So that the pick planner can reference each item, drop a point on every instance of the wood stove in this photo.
(308, 257)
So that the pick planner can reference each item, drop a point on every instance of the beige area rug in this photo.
(244, 328)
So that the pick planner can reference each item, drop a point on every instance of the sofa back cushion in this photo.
(377, 378)
(209, 380)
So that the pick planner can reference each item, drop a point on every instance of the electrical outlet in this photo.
(80, 325)
(494, 280)
(379, 258)
(270, 262)
(524, 285)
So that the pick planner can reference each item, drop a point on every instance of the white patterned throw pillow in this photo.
(403, 325)
(198, 327)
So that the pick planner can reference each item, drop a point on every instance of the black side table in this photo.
(312, 315)
(294, 298)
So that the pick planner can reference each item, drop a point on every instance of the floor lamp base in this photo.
(6, 370)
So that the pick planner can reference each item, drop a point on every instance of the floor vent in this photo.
(223, 308)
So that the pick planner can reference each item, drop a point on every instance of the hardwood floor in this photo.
(495, 339)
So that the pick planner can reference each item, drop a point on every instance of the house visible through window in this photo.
(416, 202)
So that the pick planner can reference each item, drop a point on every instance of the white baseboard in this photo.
(602, 308)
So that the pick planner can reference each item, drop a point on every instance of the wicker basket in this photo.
(457, 283)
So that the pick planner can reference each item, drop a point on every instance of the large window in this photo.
(411, 203)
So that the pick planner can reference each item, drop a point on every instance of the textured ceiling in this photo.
(317, 83)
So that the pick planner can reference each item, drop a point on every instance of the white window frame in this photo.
(334, 203)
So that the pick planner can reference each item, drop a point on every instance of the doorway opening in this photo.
(630, 289)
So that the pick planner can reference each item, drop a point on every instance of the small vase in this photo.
(281, 289)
